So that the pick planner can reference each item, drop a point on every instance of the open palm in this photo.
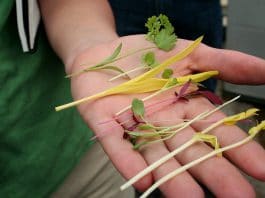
(220, 175)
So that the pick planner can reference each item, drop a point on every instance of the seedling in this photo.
(252, 133)
(161, 32)
(202, 136)
(109, 60)
(148, 62)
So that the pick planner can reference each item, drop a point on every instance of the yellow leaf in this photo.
(146, 82)
(144, 86)
(197, 77)
(254, 130)
(212, 139)
(231, 120)
(181, 55)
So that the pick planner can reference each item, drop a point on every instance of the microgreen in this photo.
(211, 97)
(182, 92)
(161, 32)
(102, 64)
(110, 59)
(148, 62)
(172, 82)
(113, 55)
(145, 127)
(149, 59)
(136, 146)
(202, 136)
(241, 116)
(212, 139)
(167, 73)
(138, 107)
(252, 133)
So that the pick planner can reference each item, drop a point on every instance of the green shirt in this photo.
(38, 146)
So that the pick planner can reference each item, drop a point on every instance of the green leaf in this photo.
(144, 134)
(138, 107)
(108, 67)
(137, 146)
(145, 127)
(153, 25)
(149, 59)
(167, 73)
(165, 41)
(115, 68)
(161, 32)
(171, 82)
(112, 56)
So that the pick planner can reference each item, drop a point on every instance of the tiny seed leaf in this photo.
(113, 55)
(167, 73)
(138, 107)
(145, 127)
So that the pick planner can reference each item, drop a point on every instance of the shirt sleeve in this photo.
(28, 19)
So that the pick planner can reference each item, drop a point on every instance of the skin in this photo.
(90, 38)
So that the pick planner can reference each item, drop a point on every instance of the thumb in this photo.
(233, 66)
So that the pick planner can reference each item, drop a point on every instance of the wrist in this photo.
(87, 44)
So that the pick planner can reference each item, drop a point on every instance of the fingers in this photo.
(126, 160)
(218, 174)
(249, 69)
(249, 157)
(183, 184)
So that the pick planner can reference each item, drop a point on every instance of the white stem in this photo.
(173, 153)
(185, 125)
(191, 164)
(144, 99)
(155, 165)
(147, 98)
(223, 105)
(168, 156)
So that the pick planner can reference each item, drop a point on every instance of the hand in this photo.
(218, 174)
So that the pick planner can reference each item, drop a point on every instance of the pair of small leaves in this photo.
(149, 60)
(105, 64)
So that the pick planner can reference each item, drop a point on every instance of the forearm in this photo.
(75, 25)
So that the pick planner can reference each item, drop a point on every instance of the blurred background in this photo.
(244, 30)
